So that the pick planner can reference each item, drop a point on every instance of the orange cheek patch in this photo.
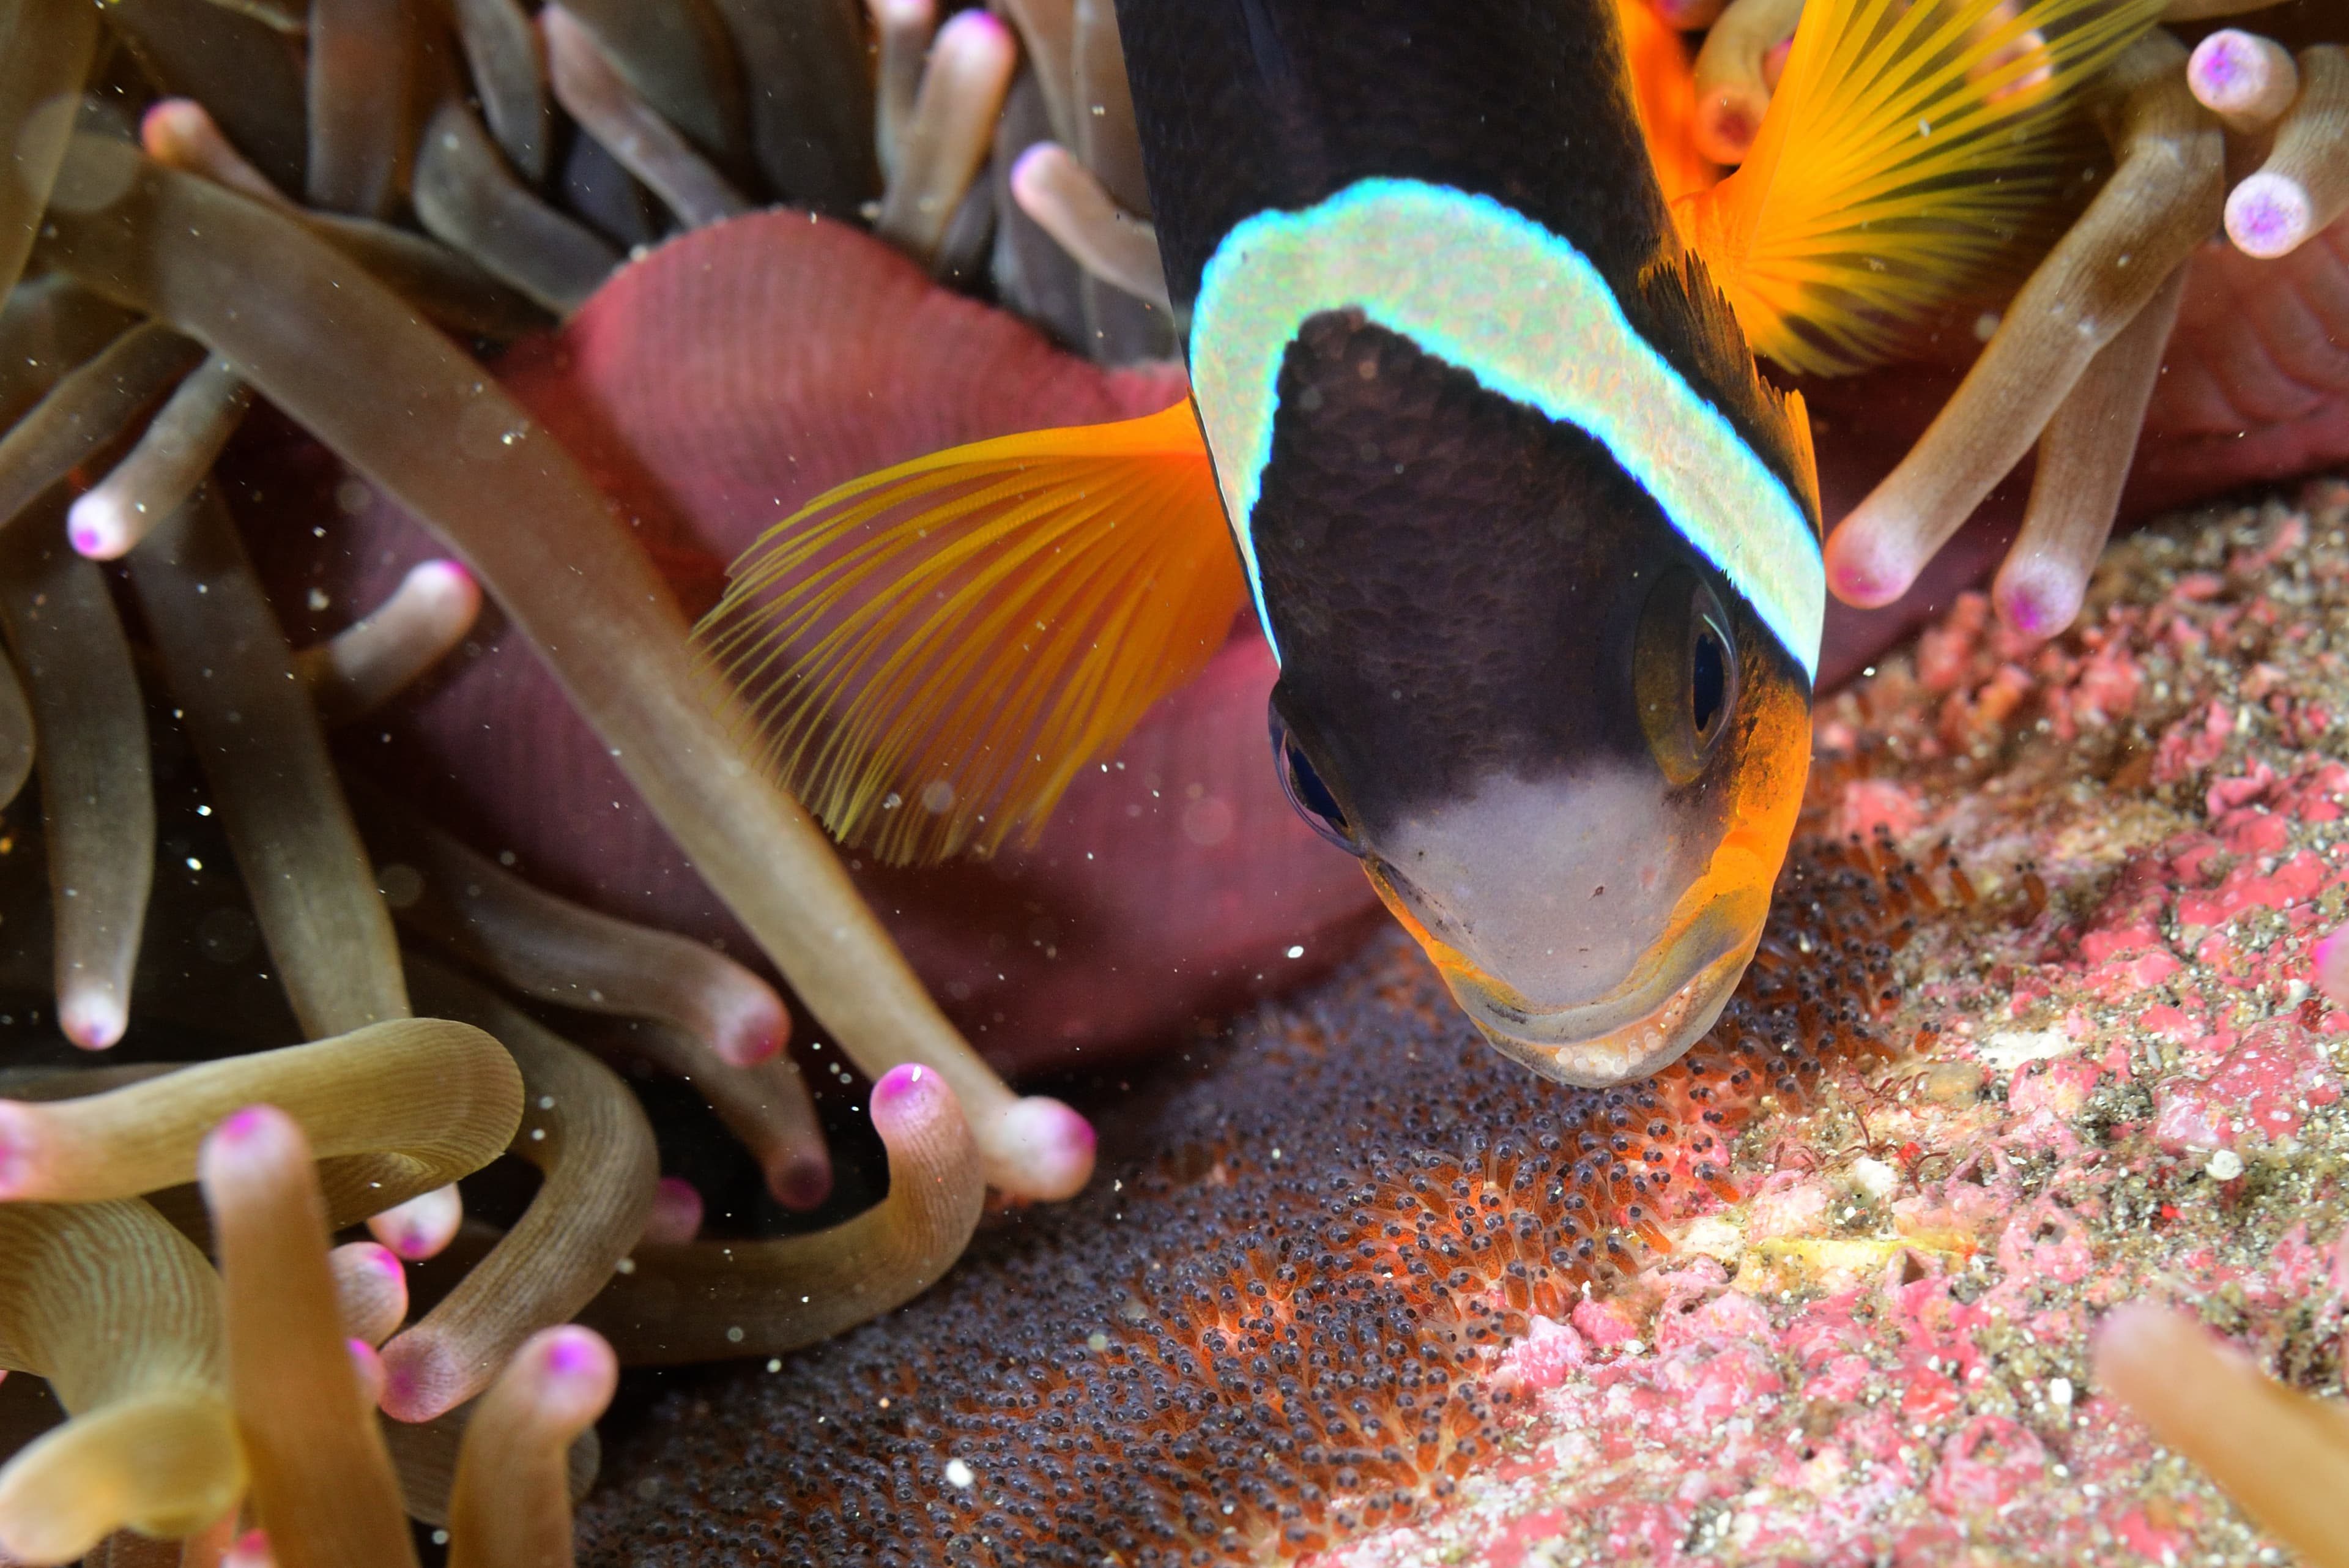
(1773, 763)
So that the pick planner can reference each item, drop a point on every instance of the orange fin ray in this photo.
(928, 655)
(1916, 158)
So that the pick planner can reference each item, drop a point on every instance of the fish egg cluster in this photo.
(1260, 1334)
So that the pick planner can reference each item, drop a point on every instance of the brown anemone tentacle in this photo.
(15, 733)
(511, 1507)
(677, 56)
(642, 142)
(182, 132)
(709, 1300)
(265, 758)
(2282, 1455)
(50, 47)
(2303, 185)
(244, 68)
(370, 1290)
(425, 1455)
(1732, 87)
(589, 1137)
(948, 134)
(41, 1086)
(466, 198)
(1108, 140)
(250, 1549)
(467, 461)
(1047, 37)
(767, 1106)
(87, 409)
(1070, 205)
(122, 1315)
(179, 133)
(509, 81)
(551, 950)
(97, 799)
(49, 325)
(2084, 461)
(395, 1109)
(2247, 80)
(2204, 10)
(209, 1548)
(373, 659)
(676, 1212)
(811, 100)
(902, 32)
(2162, 200)
(323, 1485)
(163, 470)
(290, 17)
(448, 287)
(421, 1227)
(361, 77)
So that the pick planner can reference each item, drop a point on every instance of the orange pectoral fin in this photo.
(928, 655)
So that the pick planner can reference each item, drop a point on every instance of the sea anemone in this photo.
(132, 296)
(2070, 365)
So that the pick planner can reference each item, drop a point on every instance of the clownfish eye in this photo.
(1306, 791)
(1685, 674)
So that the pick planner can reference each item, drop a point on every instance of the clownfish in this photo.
(1476, 427)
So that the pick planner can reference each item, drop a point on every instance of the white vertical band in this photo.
(1489, 291)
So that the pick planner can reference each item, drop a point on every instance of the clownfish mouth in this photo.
(1634, 1031)
(1662, 977)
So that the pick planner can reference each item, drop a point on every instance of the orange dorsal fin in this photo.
(1917, 156)
(1663, 90)
(927, 656)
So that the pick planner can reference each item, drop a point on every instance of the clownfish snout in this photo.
(1594, 948)
(1626, 1035)
(1674, 992)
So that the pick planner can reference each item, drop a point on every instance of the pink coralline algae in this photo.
(2133, 1093)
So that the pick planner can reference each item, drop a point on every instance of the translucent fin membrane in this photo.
(1913, 158)
(931, 653)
